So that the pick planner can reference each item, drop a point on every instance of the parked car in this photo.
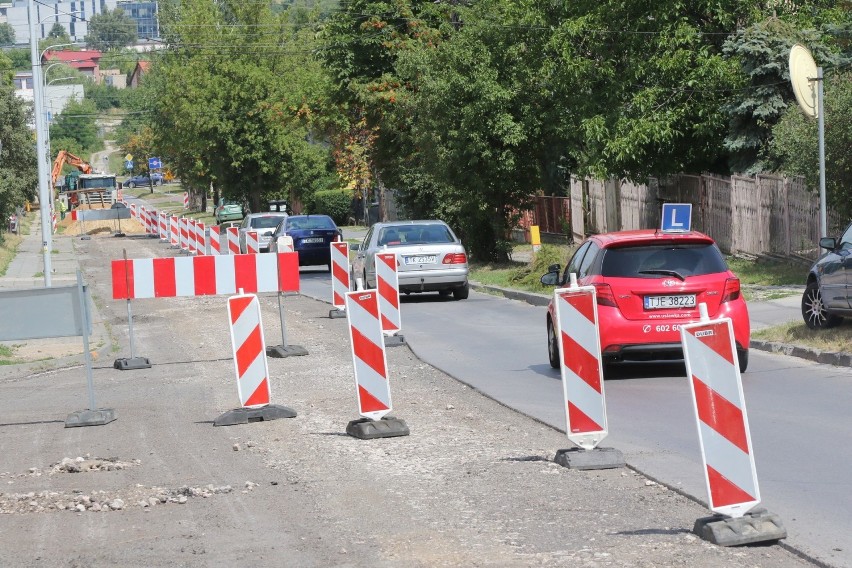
(144, 180)
(264, 224)
(648, 284)
(312, 237)
(430, 258)
(229, 210)
(827, 298)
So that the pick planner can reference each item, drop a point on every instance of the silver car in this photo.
(264, 224)
(430, 258)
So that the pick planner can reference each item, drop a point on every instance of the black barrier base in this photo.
(97, 417)
(131, 363)
(246, 415)
(85, 238)
(119, 235)
(394, 340)
(337, 313)
(281, 351)
(598, 458)
(387, 427)
(755, 526)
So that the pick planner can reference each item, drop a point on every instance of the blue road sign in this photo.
(154, 164)
(677, 217)
(128, 165)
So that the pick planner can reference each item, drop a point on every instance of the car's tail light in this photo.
(732, 290)
(455, 258)
(605, 295)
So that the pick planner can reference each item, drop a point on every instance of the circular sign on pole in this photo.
(803, 76)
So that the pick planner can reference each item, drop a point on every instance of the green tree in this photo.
(7, 34)
(75, 129)
(57, 35)
(20, 59)
(794, 146)
(18, 173)
(243, 119)
(111, 29)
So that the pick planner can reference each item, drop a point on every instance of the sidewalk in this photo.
(27, 271)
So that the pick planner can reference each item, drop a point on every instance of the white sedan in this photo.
(430, 258)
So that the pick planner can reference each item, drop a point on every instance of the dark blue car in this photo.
(312, 237)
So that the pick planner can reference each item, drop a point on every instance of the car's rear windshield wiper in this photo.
(664, 273)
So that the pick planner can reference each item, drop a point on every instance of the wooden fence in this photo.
(760, 215)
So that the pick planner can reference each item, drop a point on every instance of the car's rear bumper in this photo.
(659, 339)
(432, 280)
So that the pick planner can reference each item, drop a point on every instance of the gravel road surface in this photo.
(473, 485)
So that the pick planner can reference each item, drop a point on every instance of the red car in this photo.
(649, 283)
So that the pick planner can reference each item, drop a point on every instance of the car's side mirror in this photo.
(551, 278)
(828, 243)
(355, 248)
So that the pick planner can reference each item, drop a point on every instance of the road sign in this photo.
(128, 157)
(128, 165)
(154, 164)
(677, 217)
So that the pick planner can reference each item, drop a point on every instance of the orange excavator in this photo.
(65, 157)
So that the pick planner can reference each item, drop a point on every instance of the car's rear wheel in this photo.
(461, 293)
(814, 311)
(552, 345)
(131, 185)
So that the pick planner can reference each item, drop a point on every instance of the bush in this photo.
(335, 203)
(530, 274)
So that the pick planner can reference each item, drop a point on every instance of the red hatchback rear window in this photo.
(662, 260)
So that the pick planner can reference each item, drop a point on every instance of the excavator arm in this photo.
(65, 157)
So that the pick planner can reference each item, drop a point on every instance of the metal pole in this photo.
(281, 315)
(84, 309)
(41, 147)
(129, 311)
(823, 221)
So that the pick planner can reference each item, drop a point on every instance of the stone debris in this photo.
(105, 501)
(80, 464)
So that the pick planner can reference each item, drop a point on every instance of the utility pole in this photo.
(41, 147)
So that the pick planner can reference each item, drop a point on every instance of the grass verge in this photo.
(768, 272)
(520, 274)
(6, 355)
(836, 339)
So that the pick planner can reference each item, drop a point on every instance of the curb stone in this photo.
(839, 359)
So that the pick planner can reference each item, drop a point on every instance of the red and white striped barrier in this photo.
(368, 354)
(184, 234)
(133, 212)
(186, 200)
(174, 231)
(164, 228)
(53, 216)
(582, 371)
(717, 395)
(252, 244)
(215, 242)
(200, 238)
(249, 350)
(387, 283)
(285, 244)
(192, 237)
(339, 274)
(233, 240)
(204, 275)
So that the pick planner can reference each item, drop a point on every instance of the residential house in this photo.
(85, 61)
(141, 68)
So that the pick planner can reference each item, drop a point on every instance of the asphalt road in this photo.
(797, 410)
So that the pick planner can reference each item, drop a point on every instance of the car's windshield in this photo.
(656, 261)
(265, 222)
(312, 222)
(415, 234)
